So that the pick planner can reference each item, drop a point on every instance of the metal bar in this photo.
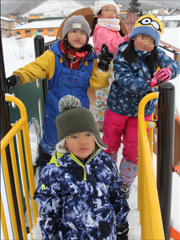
(166, 107)
(3, 221)
(5, 126)
(28, 158)
(17, 187)
(12, 132)
(39, 50)
(169, 47)
(25, 129)
(10, 196)
(150, 214)
(24, 178)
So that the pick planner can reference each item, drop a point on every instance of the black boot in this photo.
(125, 189)
(43, 157)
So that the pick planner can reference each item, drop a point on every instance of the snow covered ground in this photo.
(55, 8)
(13, 61)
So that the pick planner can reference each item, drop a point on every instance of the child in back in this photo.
(136, 75)
(72, 67)
(106, 29)
(79, 190)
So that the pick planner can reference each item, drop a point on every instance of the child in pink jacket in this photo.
(106, 29)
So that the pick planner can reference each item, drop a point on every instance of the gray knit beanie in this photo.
(76, 22)
(75, 119)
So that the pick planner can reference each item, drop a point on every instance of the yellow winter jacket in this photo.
(44, 66)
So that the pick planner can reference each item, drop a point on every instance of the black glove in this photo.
(12, 81)
(122, 232)
(105, 58)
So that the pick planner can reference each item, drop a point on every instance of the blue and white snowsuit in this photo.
(81, 201)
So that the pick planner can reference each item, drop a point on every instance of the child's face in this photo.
(108, 11)
(80, 144)
(144, 43)
(77, 39)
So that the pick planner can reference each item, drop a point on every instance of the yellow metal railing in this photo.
(21, 132)
(148, 201)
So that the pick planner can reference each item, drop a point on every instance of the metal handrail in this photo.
(20, 126)
(148, 201)
(169, 47)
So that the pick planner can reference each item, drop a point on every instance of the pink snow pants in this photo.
(114, 127)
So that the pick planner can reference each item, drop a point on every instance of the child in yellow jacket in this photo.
(71, 67)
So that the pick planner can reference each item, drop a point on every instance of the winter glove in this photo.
(122, 232)
(12, 81)
(161, 75)
(104, 58)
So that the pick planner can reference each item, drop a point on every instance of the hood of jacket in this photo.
(69, 160)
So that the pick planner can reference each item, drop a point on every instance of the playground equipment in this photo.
(21, 132)
(148, 202)
(89, 16)
(154, 215)
(155, 204)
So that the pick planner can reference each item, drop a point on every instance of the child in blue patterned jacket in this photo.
(136, 75)
(79, 190)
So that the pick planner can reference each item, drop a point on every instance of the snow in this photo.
(172, 36)
(55, 8)
(170, 18)
(156, 11)
(12, 57)
(6, 19)
(13, 60)
(41, 24)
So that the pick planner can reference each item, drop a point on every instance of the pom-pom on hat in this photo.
(76, 23)
(102, 3)
(75, 119)
(148, 25)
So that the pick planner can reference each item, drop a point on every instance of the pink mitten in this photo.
(161, 75)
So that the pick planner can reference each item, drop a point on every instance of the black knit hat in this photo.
(75, 119)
